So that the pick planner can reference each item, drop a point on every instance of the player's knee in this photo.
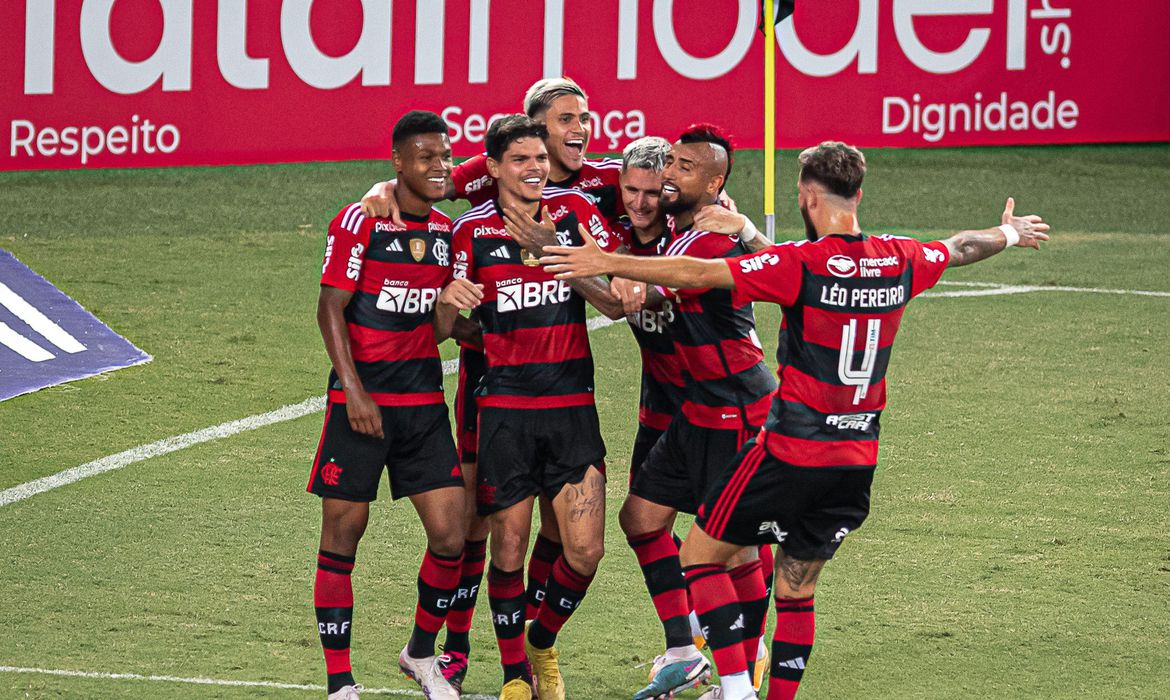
(508, 550)
(584, 556)
(447, 543)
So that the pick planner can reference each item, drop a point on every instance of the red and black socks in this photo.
(566, 589)
(544, 554)
(438, 579)
(748, 582)
(792, 644)
(333, 600)
(717, 606)
(463, 607)
(506, 598)
(657, 554)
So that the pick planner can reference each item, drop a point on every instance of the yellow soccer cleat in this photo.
(547, 671)
(761, 667)
(516, 689)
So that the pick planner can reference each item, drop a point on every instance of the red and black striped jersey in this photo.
(842, 299)
(534, 331)
(728, 385)
(599, 179)
(395, 275)
(662, 378)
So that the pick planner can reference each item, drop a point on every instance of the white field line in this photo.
(214, 681)
(179, 442)
(317, 403)
(991, 289)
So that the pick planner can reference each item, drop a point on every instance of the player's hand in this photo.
(1030, 227)
(567, 262)
(380, 202)
(719, 219)
(728, 203)
(632, 294)
(462, 294)
(364, 415)
(532, 235)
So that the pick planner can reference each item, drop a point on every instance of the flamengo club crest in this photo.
(418, 249)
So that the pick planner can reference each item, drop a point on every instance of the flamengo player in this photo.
(563, 107)
(538, 428)
(728, 388)
(379, 286)
(805, 480)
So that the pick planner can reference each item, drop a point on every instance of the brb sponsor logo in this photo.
(515, 294)
(397, 296)
(653, 320)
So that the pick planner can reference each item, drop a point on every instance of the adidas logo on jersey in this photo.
(500, 252)
(395, 246)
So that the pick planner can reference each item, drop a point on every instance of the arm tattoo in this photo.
(972, 246)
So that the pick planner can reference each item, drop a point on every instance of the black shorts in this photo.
(683, 461)
(526, 452)
(472, 365)
(808, 510)
(417, 451)
(644, 439)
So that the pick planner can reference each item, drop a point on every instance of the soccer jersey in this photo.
(599, 179)
(395, 274)
(534, 331)
(842, 299)
(662, 379)
(728, 386)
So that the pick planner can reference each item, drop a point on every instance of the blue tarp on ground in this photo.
(46, 338)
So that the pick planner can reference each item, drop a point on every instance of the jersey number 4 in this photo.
(861, 376)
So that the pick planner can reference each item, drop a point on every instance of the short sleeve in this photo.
(461, 262)
(772, 274)
(345, 249)
(700, 244)
(472, 180)
(928, 262)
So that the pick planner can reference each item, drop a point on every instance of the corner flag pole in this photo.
(770, 119)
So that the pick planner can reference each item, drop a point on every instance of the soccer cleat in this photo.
(453, 666)
(546, 671)
(428, 673)
(347, 692)
(761, 666)
(668, 678)
(516, 689)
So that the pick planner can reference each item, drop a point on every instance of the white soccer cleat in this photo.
(428, 673)
(347, 692)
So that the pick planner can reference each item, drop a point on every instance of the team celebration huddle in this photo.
(776, 467)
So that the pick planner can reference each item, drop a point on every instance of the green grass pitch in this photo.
(1017, 545)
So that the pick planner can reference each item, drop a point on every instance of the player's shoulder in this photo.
(574, 199)
(475, 216)
(702, 244)
(440, 221)
(604, 169)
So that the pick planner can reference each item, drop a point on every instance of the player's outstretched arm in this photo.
(459, 295)
(681, 272)
(379, 201)
(968, 247)
(364, 415)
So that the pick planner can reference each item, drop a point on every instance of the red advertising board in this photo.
(129, 83)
